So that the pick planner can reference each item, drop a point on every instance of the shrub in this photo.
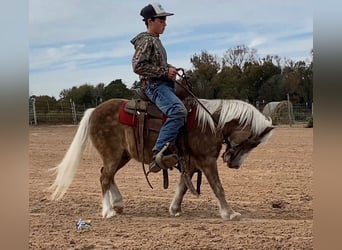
(309, 122)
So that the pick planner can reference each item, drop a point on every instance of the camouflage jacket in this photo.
(150, 58)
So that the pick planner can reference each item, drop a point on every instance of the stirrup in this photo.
(166, 161)
(153, 167)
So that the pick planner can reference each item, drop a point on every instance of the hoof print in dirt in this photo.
(279, 204)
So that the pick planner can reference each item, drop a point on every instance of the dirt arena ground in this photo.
(273, 191)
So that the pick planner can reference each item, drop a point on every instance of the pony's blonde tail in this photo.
(66, 170)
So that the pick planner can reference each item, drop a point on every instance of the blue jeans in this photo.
(162, 94)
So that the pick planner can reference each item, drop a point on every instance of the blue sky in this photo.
(73, 42)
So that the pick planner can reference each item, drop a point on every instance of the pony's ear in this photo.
(266, 131)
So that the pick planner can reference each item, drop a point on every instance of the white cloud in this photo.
(47, 56)
(256, 42)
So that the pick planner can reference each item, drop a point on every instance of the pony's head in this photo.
(240, 142)
(243, 127)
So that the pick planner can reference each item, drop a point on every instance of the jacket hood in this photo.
(140, 36)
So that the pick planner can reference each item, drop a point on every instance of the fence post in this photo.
(34, 111)
(289, 109)
(73, 111)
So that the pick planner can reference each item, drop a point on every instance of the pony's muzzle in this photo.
(226, 157)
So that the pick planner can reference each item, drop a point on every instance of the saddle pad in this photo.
(131, 120)
(127, 118)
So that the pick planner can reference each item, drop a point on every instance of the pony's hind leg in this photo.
(112, 202)
(108, 187)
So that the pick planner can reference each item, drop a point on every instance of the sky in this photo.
(73, 42)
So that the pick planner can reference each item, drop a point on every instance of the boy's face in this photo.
(157, 26)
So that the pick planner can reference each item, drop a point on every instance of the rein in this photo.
(184, 77)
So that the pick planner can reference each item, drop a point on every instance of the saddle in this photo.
(145, 116)
(149, 116)
(153, 118)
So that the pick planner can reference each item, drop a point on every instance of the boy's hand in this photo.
(172, 73)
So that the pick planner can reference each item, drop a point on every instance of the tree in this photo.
(116, 89)
(273, 89)
(255, 75)
(307, 84)
(136, 85)
(82, 95)
(45, 104)
(238, 56)
(98, 93)
(86, 95)
(226, 83)
(299, 81)
(206, 67)
(64, 93)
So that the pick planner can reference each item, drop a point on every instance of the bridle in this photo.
(230, 149)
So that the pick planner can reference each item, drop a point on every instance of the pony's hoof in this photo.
(235, 216)
(118, 210)
(175, 212)
(108, 214)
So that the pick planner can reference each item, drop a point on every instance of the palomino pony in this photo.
(235, 123)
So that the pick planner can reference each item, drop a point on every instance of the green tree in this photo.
(117, 89)
(294, 73)
(64, 94)
(98, 93)
(226, 84)
(45, 104)
(205, 69)
(136, 85)
(307, 84)
(82, 95)
(86, 96)
(254, 76)
(273, 89)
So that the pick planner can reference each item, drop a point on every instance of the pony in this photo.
(234, 123)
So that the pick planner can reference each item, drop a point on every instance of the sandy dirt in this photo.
(273, 191)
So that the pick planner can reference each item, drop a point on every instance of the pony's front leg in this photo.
(176, 204)
(212, 176)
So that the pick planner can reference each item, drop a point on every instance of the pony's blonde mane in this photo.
(230, 110)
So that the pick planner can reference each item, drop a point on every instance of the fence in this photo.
(302, 112)
(45, 113)
(69, 113)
